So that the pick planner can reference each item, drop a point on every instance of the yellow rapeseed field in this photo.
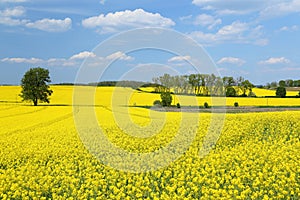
(146, 98)
(42, 155)
(265, 92)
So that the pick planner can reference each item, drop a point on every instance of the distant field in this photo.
(42, 155)
(63, 95)
(265, 92)
(297, 89)
(260, 92)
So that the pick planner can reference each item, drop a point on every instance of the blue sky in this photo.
(256, 39)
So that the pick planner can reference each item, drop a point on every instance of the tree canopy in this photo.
(35, 86)
(203, 85)
(166, 98)
(281, 92)
(230, 92)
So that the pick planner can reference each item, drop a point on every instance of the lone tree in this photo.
(35, 86)
(166, 98)
(281, 92)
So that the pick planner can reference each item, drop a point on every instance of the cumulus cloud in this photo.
(236, 28)
(61, 62)
(179, 58)
(264, 8)
(235, 7)
(184, 18)
(38, 61)
(231, 60)
(83, 55)
(204, 38)
(51, 25)
(74, 60)
(12, 1)
(12, 22)
(234, 31)
(23, 60)
(237, 32)
(289, 28)
(9, 16)
(13, 12)
(119, 55)
(281, 8)
(12, 17)
(207, 21)
(113, 22)
(274, 61)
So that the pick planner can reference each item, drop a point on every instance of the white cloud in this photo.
(289, 28)
(8, 16)
(236, 28)
(184, 18)
(102, 2)
(236, 32)
(51, 25)
(273, 61)
(113, 22)
(38, 61)
(12, 1)
(12, 22)
(13, 12)
(103, 60)
(284, 28)
(74, 60)
(204, 38)
(83, 55)
(281, 8)
(236, 7)
(119, 55)
(23, 60)
(207, 20)
(61, 62)
(231, 60)
(11, 17)
(264, 8)
(179, 58)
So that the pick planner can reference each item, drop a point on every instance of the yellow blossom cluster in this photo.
(42, 155)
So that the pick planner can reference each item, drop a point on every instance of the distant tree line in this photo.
(184, 83)
(204, 85)
(125, 83)
(283, 83)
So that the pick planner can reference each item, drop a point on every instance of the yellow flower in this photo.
(41, 154)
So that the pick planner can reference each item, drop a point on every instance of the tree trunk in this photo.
(35, 102)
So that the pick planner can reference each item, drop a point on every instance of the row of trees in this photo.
(204, 85)
(121, 83)
(35, 86)
(283, 83)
